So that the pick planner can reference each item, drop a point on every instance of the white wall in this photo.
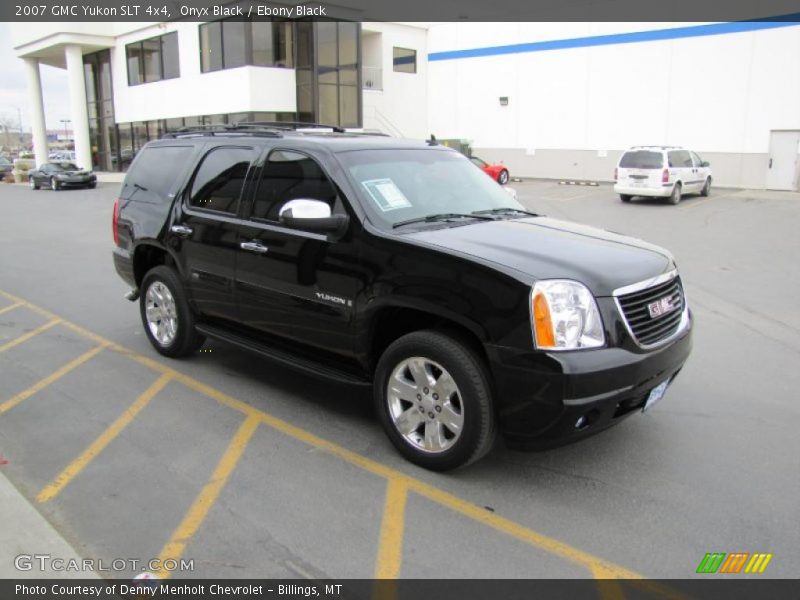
(196, 93)
(400, 109)
(720, 93)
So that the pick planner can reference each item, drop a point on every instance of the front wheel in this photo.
(33, 184)
(54, 185)
(625, 197)
(502, 178)
(433, 398)
(166, 316)
(675, 196)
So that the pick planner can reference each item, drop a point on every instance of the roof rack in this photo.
(259, 128)
(222, 129)
(291, 125)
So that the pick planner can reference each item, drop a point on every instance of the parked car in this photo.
(498, 172)
(663, 172)
(59, 175)
(395, 264)
(61, 156)
(6, 166)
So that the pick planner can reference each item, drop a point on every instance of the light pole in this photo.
(66, 135)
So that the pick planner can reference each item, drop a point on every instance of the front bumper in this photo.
(77, 181)
(541, 396)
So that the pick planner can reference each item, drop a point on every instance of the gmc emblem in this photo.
(660, 307)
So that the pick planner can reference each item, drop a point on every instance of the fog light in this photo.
(581, 422)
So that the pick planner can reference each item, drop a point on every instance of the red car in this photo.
(497, 172)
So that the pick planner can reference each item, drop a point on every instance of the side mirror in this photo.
(312, 215)
(705, 163)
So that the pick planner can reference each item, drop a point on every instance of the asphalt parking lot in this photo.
(254, 471)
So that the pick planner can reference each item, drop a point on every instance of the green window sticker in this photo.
(386, 194)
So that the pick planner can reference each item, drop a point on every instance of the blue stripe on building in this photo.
(623, 38)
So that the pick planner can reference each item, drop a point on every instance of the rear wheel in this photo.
(625, 197)
(168, 321)
(706, 188)
(502, 178)
(433, 399)
(675, 196)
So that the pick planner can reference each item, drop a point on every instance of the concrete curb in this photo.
(26, 532)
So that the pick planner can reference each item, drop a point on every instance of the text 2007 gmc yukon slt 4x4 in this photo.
(398, 263)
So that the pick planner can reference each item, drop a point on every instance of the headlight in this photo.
(565, 316)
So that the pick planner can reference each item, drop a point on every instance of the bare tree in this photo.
(6, 124)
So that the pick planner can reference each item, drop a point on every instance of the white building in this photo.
(555, 100)
(131, 82)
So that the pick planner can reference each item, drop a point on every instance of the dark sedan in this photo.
(59, 175)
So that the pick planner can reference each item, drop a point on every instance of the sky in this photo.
(14, 89)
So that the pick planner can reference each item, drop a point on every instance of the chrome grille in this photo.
(648, 330)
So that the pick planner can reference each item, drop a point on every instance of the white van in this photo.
(661, 171)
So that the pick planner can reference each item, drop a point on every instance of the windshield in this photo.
(396, 186)
(641, 159)
(64, 166)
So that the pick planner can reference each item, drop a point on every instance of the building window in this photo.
(229, 44)
(404, 60)
(337, 73)
(273, 44)
(153, 59)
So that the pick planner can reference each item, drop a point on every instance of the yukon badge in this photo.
(334, 299)
(660, 307)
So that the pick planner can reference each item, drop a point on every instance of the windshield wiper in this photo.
(441, 217)
(505, 210)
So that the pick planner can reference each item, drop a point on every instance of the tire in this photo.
(34, 185)
(502, 177)
(468, 404)
(625, 197)
(176, 338)
(54, 185)
(92, 185)
(706, 188)
(675, 196)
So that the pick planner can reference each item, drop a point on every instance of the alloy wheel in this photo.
(425, 405)
(162, 314)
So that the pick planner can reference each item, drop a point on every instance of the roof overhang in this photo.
(50, 50)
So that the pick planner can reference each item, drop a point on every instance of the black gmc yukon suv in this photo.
(397, 263)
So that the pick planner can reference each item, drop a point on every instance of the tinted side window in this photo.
(680, 158)
(219, 180)
(477, 161)
(288, 176)
(156, 167)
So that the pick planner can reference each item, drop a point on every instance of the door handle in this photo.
(770, 163)
(181, 230)
(256, 247)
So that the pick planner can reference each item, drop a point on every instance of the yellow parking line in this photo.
(390, 547)
(608, 588)
(72, 470)
(203, 502)
(5, 309)
(207, 497)
(55, 376)
(25, 337)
